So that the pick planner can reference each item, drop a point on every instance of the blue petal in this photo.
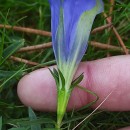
(57, 27)
(80, 36)
(58, 42)
(64, 26)
(55, 13)
(73, 9)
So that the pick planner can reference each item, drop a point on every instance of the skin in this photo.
(103, 76)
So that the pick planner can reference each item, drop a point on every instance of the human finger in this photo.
(38, 88)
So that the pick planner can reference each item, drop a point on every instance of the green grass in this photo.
(36, 14)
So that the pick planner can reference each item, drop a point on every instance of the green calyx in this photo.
(63, 93)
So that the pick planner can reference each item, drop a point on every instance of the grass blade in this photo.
(1, 45)
(0, 123)
(17, 129)
(32, 116)
(17, 44)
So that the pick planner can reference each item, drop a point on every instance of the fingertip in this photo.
(37, 90)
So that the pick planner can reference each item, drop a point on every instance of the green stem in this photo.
(62, 102)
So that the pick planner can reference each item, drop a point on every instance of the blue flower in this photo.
(71, 25)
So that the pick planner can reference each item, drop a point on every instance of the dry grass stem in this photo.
(23, 61)
(112, 2)
(107, 47)
(27, 30)
(117, 35)
(35, 47)
(46, 33)
(92, 43)
(99, 29)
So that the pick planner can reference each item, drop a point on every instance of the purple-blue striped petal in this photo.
(73, 9)
(64, 26)
(79, 37)
(55, 18)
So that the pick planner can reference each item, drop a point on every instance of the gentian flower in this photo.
(71, 25)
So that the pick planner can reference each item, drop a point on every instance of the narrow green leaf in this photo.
(49, 63)
(2, 44)
(62, 78)
(76, 118)
(90, 92)
(17, 44)
(0, 123)
(55, 72)
(55, 77)
(2, 39)
(50, 129)
(7, 74)
(78, 80)
(26, 122)
(32, 117)
(8, 79)
(17, 129)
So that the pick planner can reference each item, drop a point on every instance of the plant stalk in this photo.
(62, 102)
